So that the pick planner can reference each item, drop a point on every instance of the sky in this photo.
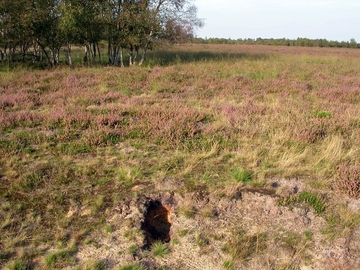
(328, 19)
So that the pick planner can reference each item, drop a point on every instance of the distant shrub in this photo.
(347, 180)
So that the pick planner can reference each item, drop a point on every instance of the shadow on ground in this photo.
(166, 58)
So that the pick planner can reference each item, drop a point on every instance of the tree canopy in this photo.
(36, 30)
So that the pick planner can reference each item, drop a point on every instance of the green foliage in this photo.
(304, 197)
(75, 148)
(17, 265)
(308, 235)
(159, 249)
(323, 114)
(57, 24)
(53, 258)
(132, 267)
(132, 249)
(241, 175)
(99, 265)
(314, 201)
(228, 265)
(109, 229)
(129, 175)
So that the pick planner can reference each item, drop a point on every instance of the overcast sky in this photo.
(331, 19)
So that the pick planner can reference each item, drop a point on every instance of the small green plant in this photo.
(17, 265)
(323, 114)
(109, 229)
(53, 258)
(134, 266)
(314, 201)
(308, 235)
(241, 175)
(228, 265)
(132, 249)
(182, 233)
(99, 265)
(159, 249)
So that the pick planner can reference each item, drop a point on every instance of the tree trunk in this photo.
(143, 56)
(45, 52)
(94, 51)
(147, 44)
(87, 54)
(121, 58)
(98, 50)
(68, 55)
(131, 56)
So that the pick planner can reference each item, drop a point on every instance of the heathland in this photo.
(254, 151)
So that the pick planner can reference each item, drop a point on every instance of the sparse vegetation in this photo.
(242, 246)
(211, 121)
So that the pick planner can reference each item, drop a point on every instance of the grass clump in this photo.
(159, 249)
(17, 265)
(58, 258)
(241, 175)
(307, 197)
(134, 266)
(323, 114)
(313, 200)
(228, 265)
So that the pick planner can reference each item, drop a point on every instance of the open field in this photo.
(253, 151)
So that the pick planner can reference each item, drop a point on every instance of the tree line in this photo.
(36, 30)
(304, 42)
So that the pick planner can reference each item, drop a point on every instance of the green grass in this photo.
(241, 175)
(313, 200)
(159, 249)
(131, 267)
